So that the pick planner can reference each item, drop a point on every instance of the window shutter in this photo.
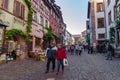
(5, 4)
(17, 9)
(22, 11)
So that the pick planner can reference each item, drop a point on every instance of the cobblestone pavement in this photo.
(84, 67)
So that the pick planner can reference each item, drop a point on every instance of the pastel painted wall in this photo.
(109, 8)
(10, 19)
(37, 26)
(98, 15)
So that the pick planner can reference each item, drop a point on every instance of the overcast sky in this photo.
(74, 14)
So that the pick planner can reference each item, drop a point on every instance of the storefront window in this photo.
(37, 41)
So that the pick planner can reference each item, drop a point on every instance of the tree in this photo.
(112, 35)
(88, 39)
(117, 21)
(48, 37)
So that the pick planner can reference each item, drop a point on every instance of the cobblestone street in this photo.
(84, 67)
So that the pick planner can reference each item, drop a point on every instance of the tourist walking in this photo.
(50, 53)
(14, 55)
(68, 49)
(72, 47)
(89, 49)
(80, 49)
(109, 52)
(60, 55)
(76, 49)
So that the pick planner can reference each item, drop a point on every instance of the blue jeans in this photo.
(60, 63)
(109, 55)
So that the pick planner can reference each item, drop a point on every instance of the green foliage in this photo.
(88, 39)
(28, 4)
(29, 15)
(112, 35)
(56, 38)
(13, 32)
(117, 21)
(105, 42)
(49, 35)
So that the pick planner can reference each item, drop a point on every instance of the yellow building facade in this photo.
(14, 15)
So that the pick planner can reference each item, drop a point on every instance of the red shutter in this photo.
(17, 10)
(22, 11)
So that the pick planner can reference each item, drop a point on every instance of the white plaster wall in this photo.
(100, 31)
(98, 15)
(107, 10)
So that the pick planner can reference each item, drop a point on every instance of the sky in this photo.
(74, 14)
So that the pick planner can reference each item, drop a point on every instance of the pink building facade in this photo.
(40, 20)
(56, 21)
(45, 14)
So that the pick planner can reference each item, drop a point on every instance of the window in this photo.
(37, 41)
(101, 36)
(115, 13)
(47, 11)
(35, 16)
(108, 2)
(22, 11)
(109, 18)
(19, 9)
(99, 7)
(42, 21)
(5, 4)
(46, 23)
(88, 27)
(51, 12)
(42, 5)
(118, 8)
(100, 22)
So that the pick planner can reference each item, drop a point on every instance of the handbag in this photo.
(65, 62)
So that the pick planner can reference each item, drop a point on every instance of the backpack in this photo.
(50, 53)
